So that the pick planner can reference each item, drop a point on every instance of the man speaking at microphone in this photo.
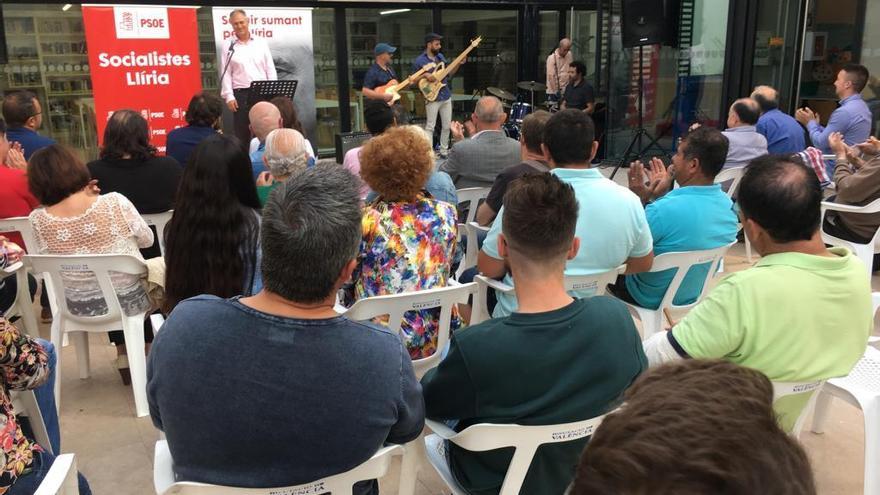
(246, 59)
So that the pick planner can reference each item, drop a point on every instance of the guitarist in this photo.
(443, 104)
(380, 73)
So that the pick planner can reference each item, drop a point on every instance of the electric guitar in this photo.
(393, 87)
(429, 89)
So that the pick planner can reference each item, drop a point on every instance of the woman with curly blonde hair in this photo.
(408, 236)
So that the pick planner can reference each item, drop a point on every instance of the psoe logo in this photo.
(141, 22)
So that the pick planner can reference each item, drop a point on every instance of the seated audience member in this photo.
(476, 161)
(74, 219)
(16, 199)
(128, 165)
(746, 143)
(351, 384)
(857, 182)
(569, 358)
(212, 243)
(682, 431)
(776, 316)
(711, 222)
(25, 364)
(533, 162)
(285, 155)
(264, 118)
(852, 118)
(289, 120)
(783, 133)
(203, 119)
(24, 117)
(611, 220)
(378, 117)
(408, 236)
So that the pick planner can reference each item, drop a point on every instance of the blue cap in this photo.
(383, 48)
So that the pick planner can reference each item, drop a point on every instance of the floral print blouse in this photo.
(24, 365)
(408, 247)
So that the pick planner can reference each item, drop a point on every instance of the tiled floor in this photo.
(115, 450)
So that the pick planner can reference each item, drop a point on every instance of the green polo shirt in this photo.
(560, 366)
(795, 317)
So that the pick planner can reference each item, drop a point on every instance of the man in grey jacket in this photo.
(476, 161)
(746, 143)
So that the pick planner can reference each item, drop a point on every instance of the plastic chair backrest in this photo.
(25, 402)
(683, 262)
(472, 230)
(23, 226)
(872, 207)
(395, 305)
(374, 468)
(159, 220)
(525, 439)
(100, 265)
(597, 281)
(733, 173)
(471, 196)
(61, 478)
(784, 389)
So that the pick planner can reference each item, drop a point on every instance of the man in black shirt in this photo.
(578, 93)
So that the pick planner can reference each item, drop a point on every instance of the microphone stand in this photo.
(228, 58)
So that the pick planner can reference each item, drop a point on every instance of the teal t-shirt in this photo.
(611, 226)
(689, 218)
(560, 366)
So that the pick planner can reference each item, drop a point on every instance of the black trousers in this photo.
(241, 122)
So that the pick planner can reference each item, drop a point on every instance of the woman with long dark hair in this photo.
(212, 241)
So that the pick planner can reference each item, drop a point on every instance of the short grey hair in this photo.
(311, 229)
(237, 11)
(285, 152)
(489, 109)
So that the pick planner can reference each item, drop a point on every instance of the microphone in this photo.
(232, 45)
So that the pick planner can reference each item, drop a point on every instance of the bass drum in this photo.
(511, 130)
(518, 111)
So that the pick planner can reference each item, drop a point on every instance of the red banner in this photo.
(145, 59)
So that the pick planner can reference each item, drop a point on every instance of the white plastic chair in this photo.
(784, 389)
(485, 436)
(865, 252)
(472, 251)
(22, 305)
(472, 196)
(61, 478)
(735, 174)
(24, 402)
(861, 388)
(652, 319)
(396, 305)
(598, 282)
(373, 468)
(159, 221)
(64, 321)
(23, 226)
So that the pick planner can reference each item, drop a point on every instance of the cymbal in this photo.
(531, 86)
(500, 93)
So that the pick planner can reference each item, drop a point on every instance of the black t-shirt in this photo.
(578, 96)
(508, 175)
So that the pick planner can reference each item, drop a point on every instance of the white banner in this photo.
(289, 35)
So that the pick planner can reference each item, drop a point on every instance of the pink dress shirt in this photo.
(250, 62)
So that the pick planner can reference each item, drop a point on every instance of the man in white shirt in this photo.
(246, 59)
(746, 143)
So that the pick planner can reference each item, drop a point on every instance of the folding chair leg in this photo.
(81, 342)
(133, 328)
(820, 412)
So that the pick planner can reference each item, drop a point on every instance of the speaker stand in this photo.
(636, 141)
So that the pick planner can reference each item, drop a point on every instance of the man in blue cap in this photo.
(380, 73)
(443, 104)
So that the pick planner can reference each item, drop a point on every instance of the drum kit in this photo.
(518, 108)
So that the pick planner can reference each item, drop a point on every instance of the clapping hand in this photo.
(15, 158)
(870, 147)
(13, 251)
(805, 115)
(835, 142)
(457, 130)
(659, 179)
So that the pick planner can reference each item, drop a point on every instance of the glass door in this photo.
(775, 62)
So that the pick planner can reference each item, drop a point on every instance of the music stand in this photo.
(266, 90)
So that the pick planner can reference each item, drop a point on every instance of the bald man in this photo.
(746, 143)
(783, 133)
(477, 161)
(557, 69)
(264, 118)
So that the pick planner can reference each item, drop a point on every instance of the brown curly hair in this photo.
(397, 163)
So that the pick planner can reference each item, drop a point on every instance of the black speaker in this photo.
(649, 22)
(348, 140)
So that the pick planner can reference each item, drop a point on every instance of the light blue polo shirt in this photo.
(689, 218)
(611, 226)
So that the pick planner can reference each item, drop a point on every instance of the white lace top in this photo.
(111, 225)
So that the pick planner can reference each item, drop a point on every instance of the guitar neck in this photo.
(455, 63)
